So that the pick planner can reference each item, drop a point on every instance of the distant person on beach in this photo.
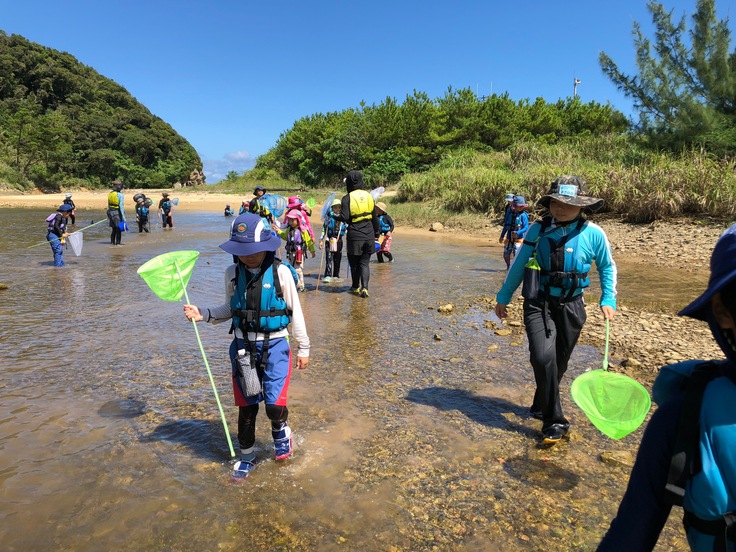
(165, 207)
(565, 244)
(519, 228)
(332, 239)
(56, 232)
(687, 456)
(116, 212)
(261, 300)
(228, 211)
(509, 218)
(357, 210)
(298, 242)
(386, 229)
(142, 212)
(69, 201)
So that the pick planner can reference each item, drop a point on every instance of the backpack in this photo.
(686, 461)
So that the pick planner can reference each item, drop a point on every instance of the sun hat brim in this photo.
(585, 202)
(242, 249)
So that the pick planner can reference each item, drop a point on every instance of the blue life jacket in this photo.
(143, 210)
(383, 225)
(702, 464)
(258, 303)
(558, 260)
(166, 206)
(332, 227)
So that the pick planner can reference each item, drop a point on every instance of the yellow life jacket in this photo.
(361, 205)
(113, 201)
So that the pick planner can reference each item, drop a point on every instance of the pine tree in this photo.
(685, 91)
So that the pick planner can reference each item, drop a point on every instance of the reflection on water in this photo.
(409, 434)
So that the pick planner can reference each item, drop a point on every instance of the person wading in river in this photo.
(116, 212)
(565, 245)
(261, 300)
(687, 455)
(357, 209)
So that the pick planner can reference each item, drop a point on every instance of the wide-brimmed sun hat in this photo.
(722, 273)
(382, 206)
(259, 188)
(250, 234)
(519, 201)
(293, 214)
(571, 190)
(68, 196)
(336, 202)
(510, 197)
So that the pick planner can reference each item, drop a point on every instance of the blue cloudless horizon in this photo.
(231, 76)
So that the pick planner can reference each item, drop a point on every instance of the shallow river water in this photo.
(411, 426)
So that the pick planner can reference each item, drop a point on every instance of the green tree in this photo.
(685, 91)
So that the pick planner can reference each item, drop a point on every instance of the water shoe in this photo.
(241, 470)
(282, 445)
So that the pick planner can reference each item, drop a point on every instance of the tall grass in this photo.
(637, 184)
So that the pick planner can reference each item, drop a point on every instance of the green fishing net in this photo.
(614, 403)
(168, 274)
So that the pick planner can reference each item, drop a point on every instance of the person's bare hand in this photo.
(192, 313)
(608, 312)
(501, 310)
(302, 362)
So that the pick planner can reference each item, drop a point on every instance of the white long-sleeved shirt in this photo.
(223, 312)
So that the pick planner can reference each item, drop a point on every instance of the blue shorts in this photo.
(276, 376)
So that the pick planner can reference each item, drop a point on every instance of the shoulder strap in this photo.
(545, 223)
(276, 280)
(686, 461)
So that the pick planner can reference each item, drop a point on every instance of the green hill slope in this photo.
(64, 125)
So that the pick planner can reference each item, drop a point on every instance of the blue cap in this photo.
(64, 208)
(251, 234)
(722, 273)
(519, 201)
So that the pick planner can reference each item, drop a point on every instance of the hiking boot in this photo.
(536, 413)
(241, 470)
(301, 289)
(364, 293)
(282, 444)
(354, 291)
(327, 279)
(554, 433)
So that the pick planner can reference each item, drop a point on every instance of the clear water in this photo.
(410, 433)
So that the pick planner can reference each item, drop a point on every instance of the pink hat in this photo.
(294, 201)
(293, 214)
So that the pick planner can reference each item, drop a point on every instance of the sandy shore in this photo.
(97, 200)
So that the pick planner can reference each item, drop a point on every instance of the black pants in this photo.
(247, 422)
(334, 260)
(359, 258)
(142, 225)
(552, 329)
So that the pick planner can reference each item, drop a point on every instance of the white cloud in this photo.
(217, 169)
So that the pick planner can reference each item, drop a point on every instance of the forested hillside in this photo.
(63, 125)
(391, 139)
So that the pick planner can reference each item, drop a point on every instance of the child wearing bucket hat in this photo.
(687, 455)
(261, 302)
(69, 201)
(296, 205)
(562, 246)
(298, 242)
(332, 237)
(519, 224)
(56, 232)
(386, 228)
(164, 209)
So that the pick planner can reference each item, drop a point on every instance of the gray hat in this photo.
(571, 190)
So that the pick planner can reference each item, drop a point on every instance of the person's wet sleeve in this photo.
(643, 510)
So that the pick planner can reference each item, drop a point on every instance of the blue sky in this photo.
(232, 76)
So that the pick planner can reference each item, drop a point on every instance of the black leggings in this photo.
(247, 422)
(116, 235)
(359, 258)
